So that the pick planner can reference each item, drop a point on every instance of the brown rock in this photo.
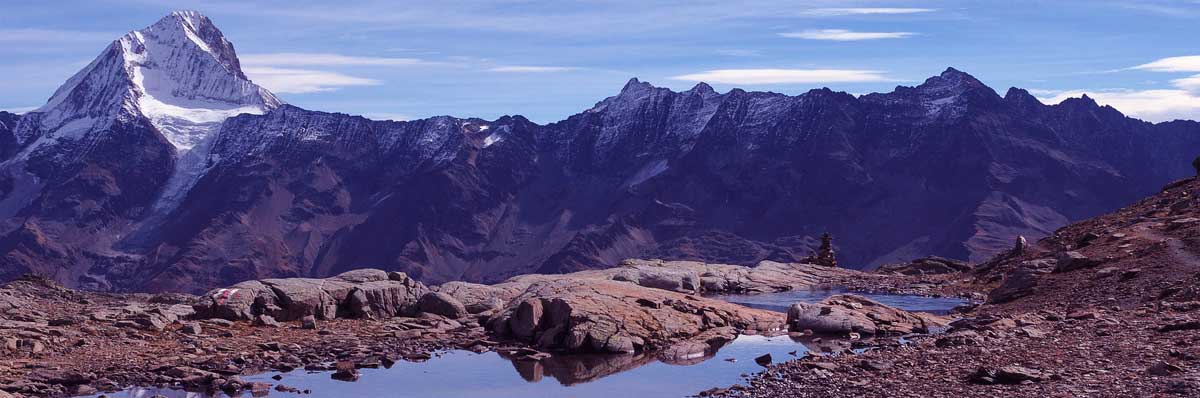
(345, 370)
(441, 304)
(1006, 375)
(1018, 283)
(1073, 260)
(932, 265)
(357, 293)
(846, 313)
(1163, 368)
(265, 320)
(192, 329)
(586, 314)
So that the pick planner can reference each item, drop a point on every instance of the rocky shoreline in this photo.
(61, 342)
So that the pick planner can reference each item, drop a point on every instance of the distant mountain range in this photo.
(160, 166)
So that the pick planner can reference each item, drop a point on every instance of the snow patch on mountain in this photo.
(495, 137)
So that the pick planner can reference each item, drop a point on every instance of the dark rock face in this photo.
(946, 168)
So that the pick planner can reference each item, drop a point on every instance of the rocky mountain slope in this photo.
(1104, 307)
(111, 186)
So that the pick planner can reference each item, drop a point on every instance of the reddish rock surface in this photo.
(1106, 307)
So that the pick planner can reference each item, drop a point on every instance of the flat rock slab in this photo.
(704, 278)
(847, 313)
(354, 294)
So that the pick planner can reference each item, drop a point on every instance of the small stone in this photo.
(309, 322)
(1182, 325)
(265, 321)
(1073, 260)
(345, 371)
(1006, 375)
(257, 388)
(763, 360)
(874, 365)
(192, 329)
(1083, 315)
(1163, 368)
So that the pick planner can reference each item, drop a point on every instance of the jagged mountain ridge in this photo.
(947, 167)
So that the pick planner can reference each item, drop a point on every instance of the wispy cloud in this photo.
(301, 81)
(1150, 105)
(324, 59)
(286, 72)
(532, 69)
(52, 35)
(1182, 101)
(1191, 84)
(784, 76)
(831, 12)
(1190, 63)
(845, 35)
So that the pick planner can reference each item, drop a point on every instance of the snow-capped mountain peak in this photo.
(180, 72)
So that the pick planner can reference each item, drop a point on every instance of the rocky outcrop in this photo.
(476, 298)
(58, 342)
(847, 313)
(932, 265)
(354, 294)
(597, 315)
(1020, 282)
(705, 278)
(441, 304)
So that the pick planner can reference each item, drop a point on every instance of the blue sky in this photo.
(548, 60)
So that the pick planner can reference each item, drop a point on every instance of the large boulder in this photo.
(675, 280)
(476, 298)
(597, 315)
(441, 304)
(238, 302)
(357, 293)
(847, 313)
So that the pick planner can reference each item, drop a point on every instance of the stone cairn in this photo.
(825, 255)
